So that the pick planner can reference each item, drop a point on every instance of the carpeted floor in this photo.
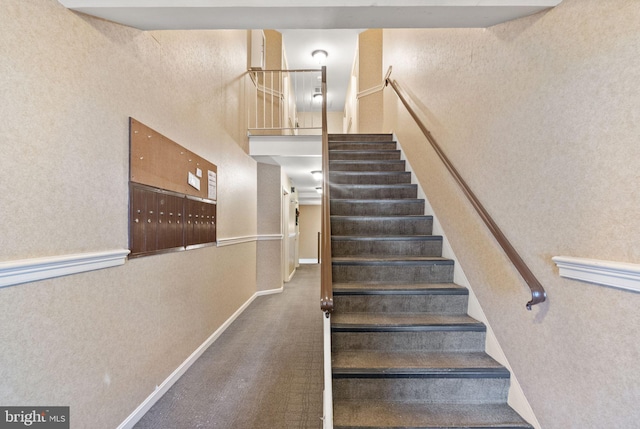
(264, 371)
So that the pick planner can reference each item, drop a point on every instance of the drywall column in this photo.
(269, 248)
(370, 108)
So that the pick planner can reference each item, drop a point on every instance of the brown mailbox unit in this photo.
(166, 212)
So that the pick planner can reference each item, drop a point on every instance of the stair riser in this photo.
(364, 178)
(386, 247)
(427, 341)
(363, 145)
(426, 390)
(397, 273)
(366, 192)
(360, 138)
(344, 155)
(388, 226)
(366, 166)
(400, 303)
(377, 208)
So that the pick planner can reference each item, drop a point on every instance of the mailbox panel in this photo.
(162, 221)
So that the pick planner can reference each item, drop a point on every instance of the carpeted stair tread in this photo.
(387, 237)
(369, 177)
(381, 225)
(382, 321)
(392, 191)
(363, 154)
(397, 165)
(391, 260)
(383, 208)
(386, 245)
(373, 186)
(398, 289)
(372, 137)
(401, 415)
(436, 364)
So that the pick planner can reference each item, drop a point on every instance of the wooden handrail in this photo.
(326, 281)
(375, 89)
(538, 293)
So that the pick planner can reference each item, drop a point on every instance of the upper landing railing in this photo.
(538, 293)
(285, 102)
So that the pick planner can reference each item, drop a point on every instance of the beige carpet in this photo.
(265, 370)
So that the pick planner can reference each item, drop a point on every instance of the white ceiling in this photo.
(307, 14)
(341, 47)
(306, 26)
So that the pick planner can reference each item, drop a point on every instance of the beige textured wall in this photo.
(314, 119)
(369, 76)
(269, 258)
(103, 340)
(541, 116)
(310, 222)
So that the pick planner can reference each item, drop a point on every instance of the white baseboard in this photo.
(270, 291)
(146, 405)
(309, 261)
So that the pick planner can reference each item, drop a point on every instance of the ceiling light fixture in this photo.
(320, 55)
(317, 174)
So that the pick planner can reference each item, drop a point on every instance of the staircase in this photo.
(404, 352)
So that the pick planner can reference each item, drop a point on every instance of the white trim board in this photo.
(230, 241)
(160, 390)
(619, 275)
(34, 269)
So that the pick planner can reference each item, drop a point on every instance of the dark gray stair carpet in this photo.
(419, 245)
(366, 165)
(386, 207)
(364, 154)
(381, 225)
(416, 415)
(375, 177)
(359, 191)
(405, 354)
(381, 145)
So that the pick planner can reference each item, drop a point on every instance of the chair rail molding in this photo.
(34, 269)
(621, 275)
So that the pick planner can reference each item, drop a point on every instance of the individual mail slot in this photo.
(214, 222)
(136, 220)
(176, 238)
(162, 232)
(200, 235)
(211, 218)
(151, 220)
(189, 230)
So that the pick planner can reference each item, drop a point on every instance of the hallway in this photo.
(265, 370)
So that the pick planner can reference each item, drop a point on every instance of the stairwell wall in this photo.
(269, 270)
(100, 342)
(540, 115)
